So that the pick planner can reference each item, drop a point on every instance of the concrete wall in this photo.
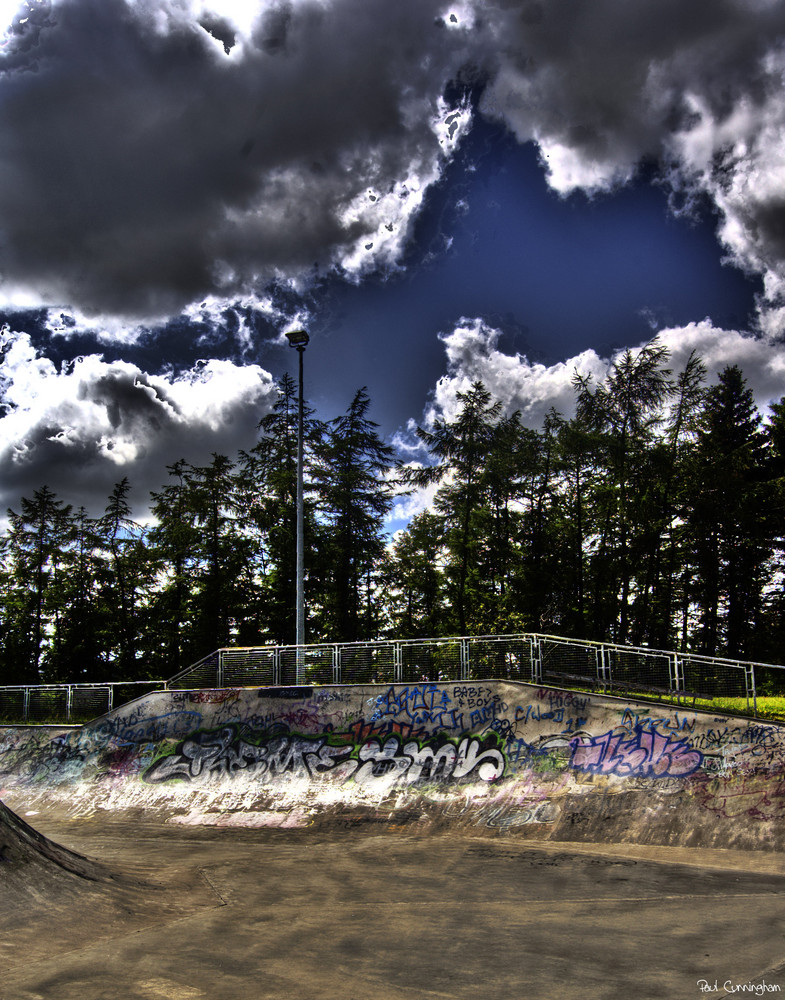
(496, 756)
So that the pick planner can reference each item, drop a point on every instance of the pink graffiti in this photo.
(646, 754)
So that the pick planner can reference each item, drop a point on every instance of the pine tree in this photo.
(625, 411)
(414, 581)
(126, 573)
(174, 547)
(460, 448)
(728, 518)
(83, 624)
(36, 543)
(354, 494)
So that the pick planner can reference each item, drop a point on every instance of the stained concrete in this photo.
(350, 911)
(538, 763)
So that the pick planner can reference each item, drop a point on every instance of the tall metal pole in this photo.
(299, 339)
(300, 638)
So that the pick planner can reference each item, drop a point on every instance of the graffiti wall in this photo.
(499, 756)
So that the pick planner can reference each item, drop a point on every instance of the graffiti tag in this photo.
(223, 753)
(645, 754)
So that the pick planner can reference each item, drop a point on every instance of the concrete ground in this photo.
(354, 910)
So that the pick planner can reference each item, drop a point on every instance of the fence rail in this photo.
(539, 659)
(69, 703)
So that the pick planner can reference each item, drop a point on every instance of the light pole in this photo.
(299, 340)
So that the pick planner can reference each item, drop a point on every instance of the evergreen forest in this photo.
(652, 517)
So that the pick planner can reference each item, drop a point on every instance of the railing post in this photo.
(110, 698)
(220, 672)
(603, 660)
(336, 664)
(69, 697)
(26, 705)
(464, 659)
(749, 685)
(676, 684)
(276, 666)
(535, 659)
(398, 663)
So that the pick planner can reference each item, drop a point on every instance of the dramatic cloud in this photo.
(155, 152)
(473, 355)
(697, 87)
(84, 427)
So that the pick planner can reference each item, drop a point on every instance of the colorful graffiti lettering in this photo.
(644, 754)
(443, 761)
(224, 753)
(419, 704)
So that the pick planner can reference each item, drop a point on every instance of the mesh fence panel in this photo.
(712, 679)
(316, 664)
(371, 664)
(634, 670)
(248, 667)
(499, 659)
(48, 705)
(12, 706)
(417, 662)
(203, 674)
(443, 662)
(89, 703)
(568, 665)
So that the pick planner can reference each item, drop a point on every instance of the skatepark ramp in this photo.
(495, 756)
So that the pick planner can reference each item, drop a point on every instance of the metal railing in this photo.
(538, 659)
(69, 703)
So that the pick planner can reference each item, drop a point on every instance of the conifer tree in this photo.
(354, 493)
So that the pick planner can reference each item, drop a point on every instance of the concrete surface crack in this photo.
(211, 886)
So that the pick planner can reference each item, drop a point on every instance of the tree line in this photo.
(653, 517)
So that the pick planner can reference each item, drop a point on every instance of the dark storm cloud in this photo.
(156, 152)
(151, 157)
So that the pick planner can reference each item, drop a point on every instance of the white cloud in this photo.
(473, 355)
(761, 360)
(696, 86)
(85, 426)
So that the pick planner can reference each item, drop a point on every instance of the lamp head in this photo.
(297, 338)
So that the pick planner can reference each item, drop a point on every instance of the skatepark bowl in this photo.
(489, 839)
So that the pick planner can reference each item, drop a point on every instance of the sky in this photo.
(438, 192)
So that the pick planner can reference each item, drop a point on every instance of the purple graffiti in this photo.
(645, 754)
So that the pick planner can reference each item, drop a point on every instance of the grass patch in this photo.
(768, 706)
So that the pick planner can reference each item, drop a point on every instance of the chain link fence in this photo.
(555, 661)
